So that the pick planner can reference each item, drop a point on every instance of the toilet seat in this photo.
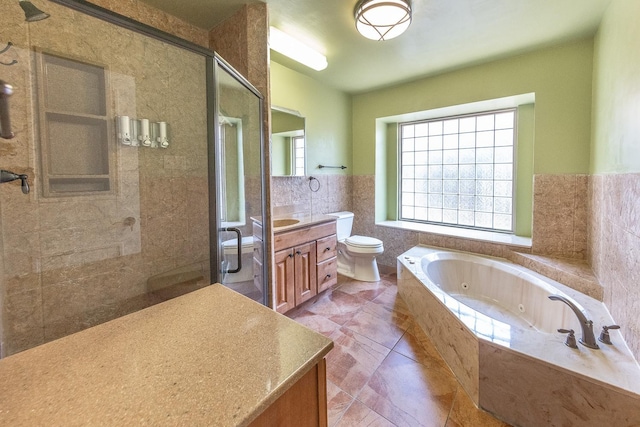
(364, 245)
(230, 247)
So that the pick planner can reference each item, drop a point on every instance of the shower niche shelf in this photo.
(77, 158)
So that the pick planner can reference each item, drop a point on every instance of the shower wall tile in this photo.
(560, 215)
(364, 205)
(23, 317)
(614, 248)
(560, 227)
(72, 262)
(156, 18)
(334, 194)
(575, 273)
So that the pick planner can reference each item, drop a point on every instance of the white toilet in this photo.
(356, 254)
(230, 257)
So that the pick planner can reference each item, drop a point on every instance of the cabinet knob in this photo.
(328, 276)
(327, 249)
(290, 255)
(299, 253)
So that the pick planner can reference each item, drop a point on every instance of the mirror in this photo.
(287, 142)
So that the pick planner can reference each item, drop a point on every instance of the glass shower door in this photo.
(238, 181)
(115, 130)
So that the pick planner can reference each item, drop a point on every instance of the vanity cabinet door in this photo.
(284, 280)
(305, 272)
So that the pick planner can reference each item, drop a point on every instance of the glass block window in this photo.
(459, 171)
(298, 158)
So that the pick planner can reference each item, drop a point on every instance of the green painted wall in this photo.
(524, 170)
(559, 76)
(328, 117)
(555, 139)
(616, 114)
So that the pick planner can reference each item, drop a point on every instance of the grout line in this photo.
(453, 403)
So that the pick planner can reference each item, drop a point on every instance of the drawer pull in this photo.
(290, 255)
(327, 249)
(299, 253)
(328, 276)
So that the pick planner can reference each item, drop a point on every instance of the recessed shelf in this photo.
(77, 158)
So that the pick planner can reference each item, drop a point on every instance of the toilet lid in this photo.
(363, 242)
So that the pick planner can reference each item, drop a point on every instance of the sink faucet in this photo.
(587, 339)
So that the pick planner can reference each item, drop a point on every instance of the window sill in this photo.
(462, 233)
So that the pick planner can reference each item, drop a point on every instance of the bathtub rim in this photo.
(589, 364)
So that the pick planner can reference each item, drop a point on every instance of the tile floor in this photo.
(383, 370)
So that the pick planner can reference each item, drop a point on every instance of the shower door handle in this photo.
(239, 234)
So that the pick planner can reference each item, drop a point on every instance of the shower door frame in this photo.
(213, 122)
(211, 58)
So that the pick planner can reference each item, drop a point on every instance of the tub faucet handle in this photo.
(604, 335)
(571, 338)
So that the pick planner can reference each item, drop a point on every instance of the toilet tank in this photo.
(344, 222)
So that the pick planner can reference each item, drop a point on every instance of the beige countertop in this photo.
(211, 357)
(305, 220)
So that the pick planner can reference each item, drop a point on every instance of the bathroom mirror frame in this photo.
(288, 142)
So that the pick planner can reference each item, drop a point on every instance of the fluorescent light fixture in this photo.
(294, 49)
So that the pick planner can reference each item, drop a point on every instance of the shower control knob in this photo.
(571, 338)
(8, 176)
(604, 335)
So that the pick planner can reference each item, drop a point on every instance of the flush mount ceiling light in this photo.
(294, 49)
(382, 19)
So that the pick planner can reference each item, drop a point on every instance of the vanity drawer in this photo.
(327, 248)
(299, 236)
(327, 274)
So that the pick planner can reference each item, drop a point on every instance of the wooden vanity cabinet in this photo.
(305, 264)
(303, 405)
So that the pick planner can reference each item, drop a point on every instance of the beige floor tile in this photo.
(465, 414)
(379, 323)
(359, 415)
(370, 385)
(339, 307)
(416, 345)
(364, 290)
(408, 393)
(353, 360)
(315, 321)
(337, 403)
